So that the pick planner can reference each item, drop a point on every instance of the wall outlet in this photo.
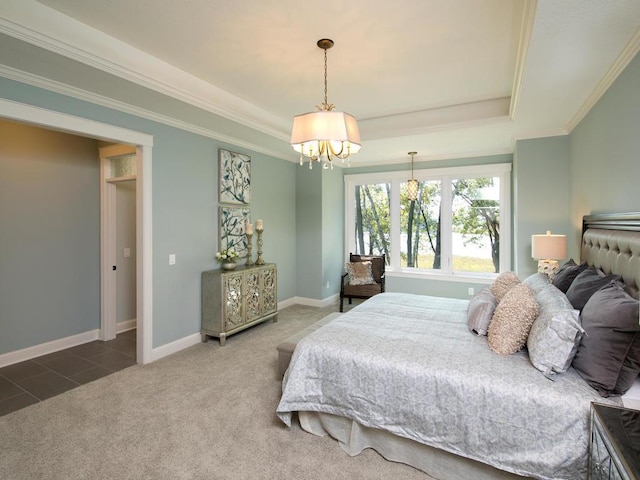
(172, 259)
(471, 291)
(127, 252)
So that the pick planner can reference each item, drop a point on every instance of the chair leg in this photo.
(349, 301)
(341, 304)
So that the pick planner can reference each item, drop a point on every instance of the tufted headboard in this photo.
(611, 242)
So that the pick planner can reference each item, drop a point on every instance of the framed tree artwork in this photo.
(235, 178)
(232, 222)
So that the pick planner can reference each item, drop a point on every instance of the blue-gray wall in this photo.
(541, 193)
(605, 152)
(49, 236)
(185, 222)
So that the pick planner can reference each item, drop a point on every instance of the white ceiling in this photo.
(446, 78)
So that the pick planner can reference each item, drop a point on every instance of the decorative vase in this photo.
(228, 265)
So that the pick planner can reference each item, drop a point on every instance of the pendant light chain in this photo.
(325, 104)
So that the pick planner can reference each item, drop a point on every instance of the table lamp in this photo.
(548, 249)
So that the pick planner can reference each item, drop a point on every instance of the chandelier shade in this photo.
(314, 132)
(325, 135)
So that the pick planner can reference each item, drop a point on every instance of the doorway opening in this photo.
(142, 143)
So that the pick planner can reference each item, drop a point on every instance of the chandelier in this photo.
(325, 135)
(412, 185)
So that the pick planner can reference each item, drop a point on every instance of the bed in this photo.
(402, 374)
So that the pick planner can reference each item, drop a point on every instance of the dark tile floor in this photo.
(29, 382)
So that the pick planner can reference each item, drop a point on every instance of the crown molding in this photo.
(532, 134)
(77, 93)
(432, 158)
(51, 30)
(526, 28)
(628, 53)
(436, 119)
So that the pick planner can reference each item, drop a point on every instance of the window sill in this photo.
(486, 278)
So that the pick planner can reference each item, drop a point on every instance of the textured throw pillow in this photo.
(566, 274)
(512, 320)
(480, 311)
(503, 283)
(537, 281)
(555, 335)
(608, 357)
(588, 282)
(360, 273)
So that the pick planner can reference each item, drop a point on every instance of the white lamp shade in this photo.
(325, 126)
(548, 246)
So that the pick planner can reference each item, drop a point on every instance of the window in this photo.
(453, 228)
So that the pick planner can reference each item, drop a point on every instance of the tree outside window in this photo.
(452, 227)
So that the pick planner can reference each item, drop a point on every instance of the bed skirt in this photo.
(353, 438)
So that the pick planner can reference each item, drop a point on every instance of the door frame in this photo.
(144, 228)
(108, 229)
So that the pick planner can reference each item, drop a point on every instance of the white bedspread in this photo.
(408, 364)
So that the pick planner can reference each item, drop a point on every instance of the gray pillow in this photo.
(586, 283)
(480, 311)
(566, 274)
(537, 281)
(608, 357)
(512, 320)
(555, 335)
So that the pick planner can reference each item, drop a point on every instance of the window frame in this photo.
(446, 176)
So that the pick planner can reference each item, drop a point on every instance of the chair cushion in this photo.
(362, 290)
(360, 273)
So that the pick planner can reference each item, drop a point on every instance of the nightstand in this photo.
(615, 443)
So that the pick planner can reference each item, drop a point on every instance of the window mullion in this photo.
(394, 213)
(446, 226)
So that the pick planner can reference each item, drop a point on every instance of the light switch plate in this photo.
(172, 259)
(127, 252)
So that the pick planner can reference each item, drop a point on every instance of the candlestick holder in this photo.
(259, 260)
(249, 261)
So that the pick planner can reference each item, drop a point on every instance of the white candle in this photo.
(248, 228)
(259, 224)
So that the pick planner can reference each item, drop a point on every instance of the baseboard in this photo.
(313, 302)
(286, 303)
(175, 346)
(157, 353)
(126, 325)
(49, 347)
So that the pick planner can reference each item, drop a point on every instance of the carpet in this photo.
(207, 412)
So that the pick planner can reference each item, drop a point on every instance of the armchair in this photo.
(358, 282)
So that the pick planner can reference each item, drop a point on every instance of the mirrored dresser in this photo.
(615, 443)
(234, 300)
